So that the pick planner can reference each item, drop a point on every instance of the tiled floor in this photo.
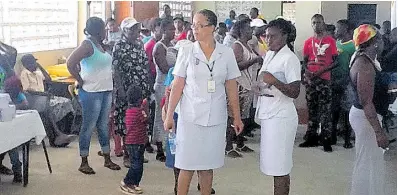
(314, 173)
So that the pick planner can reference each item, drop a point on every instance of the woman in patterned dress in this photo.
(130, 66)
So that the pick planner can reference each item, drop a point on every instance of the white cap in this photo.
(128, 23)
(257, 23)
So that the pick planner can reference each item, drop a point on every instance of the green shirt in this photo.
(341, 72)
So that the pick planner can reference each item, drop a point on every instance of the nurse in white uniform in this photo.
(280, 76)
(205, 74)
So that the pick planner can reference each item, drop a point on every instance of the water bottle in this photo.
(172, 142)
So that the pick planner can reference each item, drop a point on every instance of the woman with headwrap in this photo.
(365, 114)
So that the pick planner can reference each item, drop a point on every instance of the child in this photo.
(135, 139)
(221, 32)
(113, 34)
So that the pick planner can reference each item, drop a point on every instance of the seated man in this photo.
(32, 77)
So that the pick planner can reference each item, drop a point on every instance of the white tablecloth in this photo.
(25, 126)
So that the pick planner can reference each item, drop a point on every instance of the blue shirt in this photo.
(20, 98)
(169, 78)
(146, 39)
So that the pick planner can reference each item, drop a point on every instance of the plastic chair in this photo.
(41, 102)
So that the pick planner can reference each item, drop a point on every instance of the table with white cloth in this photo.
(21, 130)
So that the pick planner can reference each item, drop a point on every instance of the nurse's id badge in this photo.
(211, 86)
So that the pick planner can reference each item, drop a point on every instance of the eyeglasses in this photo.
(194, 26)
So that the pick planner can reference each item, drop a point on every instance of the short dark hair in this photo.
(318, 16)
(347, 24)
(155, 22)
(239, 26)
(109, 20)
(166, 5)
(377, 26)
(282, 24)
(134, 95)
(210, 15)
(243, 17)
(255, 9)
(387, 22)
(222, 25)
(94, 26)
(330, 27)
(164, 23)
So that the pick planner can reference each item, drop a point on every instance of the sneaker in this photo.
(244, 149)
(309, 143)
(126, 189)
(17, 178)
(233, 154)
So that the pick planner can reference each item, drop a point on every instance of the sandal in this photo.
(87, 170)
(233, 154)
(112, 166)
(161, 157)
(5, 170)
(244, 149)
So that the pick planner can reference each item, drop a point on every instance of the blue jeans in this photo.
(15, 162)
(136, 155)
(95, 110)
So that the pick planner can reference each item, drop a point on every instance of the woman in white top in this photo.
(205, 74)
(281, 75)
(249, 64)
(162, 68)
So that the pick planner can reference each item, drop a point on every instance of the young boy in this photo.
(221, 32)
(135, 139)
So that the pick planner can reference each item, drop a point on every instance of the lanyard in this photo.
(317, 49)
(208, 67)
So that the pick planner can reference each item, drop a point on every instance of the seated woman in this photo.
(32, 77)
(13, 87)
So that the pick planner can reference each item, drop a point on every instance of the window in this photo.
(96, 8)
(178, 7)
(289, 11)
(240, 7)
(32, 26)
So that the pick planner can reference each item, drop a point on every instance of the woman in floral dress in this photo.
(130, 67)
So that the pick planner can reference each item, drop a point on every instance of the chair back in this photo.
(38, 101)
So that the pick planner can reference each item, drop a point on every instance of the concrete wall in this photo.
(336, 10)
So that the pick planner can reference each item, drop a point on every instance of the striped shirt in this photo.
(136, 122)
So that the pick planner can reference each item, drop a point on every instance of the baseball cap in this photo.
(257, 23)
(178, 17)
(28, 59)
(128, 23)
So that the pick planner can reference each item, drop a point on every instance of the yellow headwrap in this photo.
(364, 33)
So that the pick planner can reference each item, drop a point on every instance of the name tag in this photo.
(211, 86)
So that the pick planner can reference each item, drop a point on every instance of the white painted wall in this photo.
(304, 11)
(269, 9)
(336, 10)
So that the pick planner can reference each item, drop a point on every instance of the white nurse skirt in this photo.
(277, 141)
(199, 147)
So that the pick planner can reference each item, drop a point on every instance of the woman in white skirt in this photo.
(279, 85)
(365, 115)
(204, 75)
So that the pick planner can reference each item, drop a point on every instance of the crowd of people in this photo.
(211, 79)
